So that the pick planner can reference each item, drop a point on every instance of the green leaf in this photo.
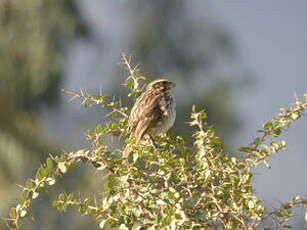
(193, 108)
(129, 82)
(40, 174)
(70, 196)
(277, 132)
(258, 141)
(267, 125)
(13, 213)
(55, 203)
(62, 197)
(49, 164)
(245, 149)
(29, 184)
(141, 78)
(99, 129)
(83, 209)
(86, 103)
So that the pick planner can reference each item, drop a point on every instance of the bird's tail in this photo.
(127, 151)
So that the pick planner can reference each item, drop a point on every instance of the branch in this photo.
(93, 99)
(258, 151)
(46, 176)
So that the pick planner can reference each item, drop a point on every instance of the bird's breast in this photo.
(167, 119)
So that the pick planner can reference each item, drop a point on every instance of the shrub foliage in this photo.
(172, 186)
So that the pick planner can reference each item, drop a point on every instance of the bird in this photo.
(153, 113)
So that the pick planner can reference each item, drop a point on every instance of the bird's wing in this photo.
(145, 111)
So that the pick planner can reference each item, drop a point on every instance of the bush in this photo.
(174, 186)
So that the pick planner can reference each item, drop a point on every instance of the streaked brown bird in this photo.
(153, 112)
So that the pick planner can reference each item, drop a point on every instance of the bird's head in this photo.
(161, 85)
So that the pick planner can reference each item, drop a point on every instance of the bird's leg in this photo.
(152, 141)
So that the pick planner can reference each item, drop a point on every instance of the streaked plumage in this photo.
(154, 111)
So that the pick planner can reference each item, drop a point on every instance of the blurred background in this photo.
(240, 60)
